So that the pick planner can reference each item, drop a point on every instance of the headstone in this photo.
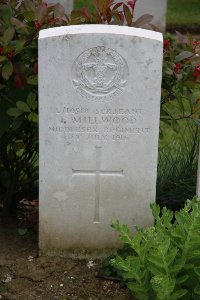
(156, 8)
(99, 91)
(198, 176)
(67, 4)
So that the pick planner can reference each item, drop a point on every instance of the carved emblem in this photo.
(99, 74)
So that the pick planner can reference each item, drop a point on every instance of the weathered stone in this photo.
(99, 90)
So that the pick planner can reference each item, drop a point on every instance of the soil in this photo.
(25, 276)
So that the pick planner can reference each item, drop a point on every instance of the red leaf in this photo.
(127, 14)
(19, 81)
(116, 6)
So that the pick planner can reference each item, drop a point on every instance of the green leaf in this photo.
(22, 231)
(23, 106)
(3, 58)
(31, 100)
(163, 286)
(178, 294)
(197, 290)
(7, 70)
(32, 80)
(183, 55)
(8, 35)
(6, 14)
(14, 112)
(175, 125)
(17, 123)
(182, 279)
(33, 117)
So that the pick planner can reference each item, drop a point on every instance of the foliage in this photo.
(180, 84)
(177, 165)
(165, 257)
(20, 23)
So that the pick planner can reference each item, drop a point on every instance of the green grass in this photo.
(78, 4)
(183, 12)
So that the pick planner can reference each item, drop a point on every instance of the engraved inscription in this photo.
(99, 74)
(97, 172)
(100, 124)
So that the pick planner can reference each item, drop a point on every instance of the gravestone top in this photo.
(97, 29)
(99, 106)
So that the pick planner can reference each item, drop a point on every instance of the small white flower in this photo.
(90, 264)
(30, 258)
(7, 279)
(61, 285)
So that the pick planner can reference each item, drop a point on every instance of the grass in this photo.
(181, 14)
(78, 4)
(184, 14)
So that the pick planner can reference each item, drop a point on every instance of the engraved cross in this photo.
(97, 172)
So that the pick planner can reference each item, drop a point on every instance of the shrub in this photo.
(19, 28)
(164, 263)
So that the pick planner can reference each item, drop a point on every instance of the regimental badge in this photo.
(100, 74)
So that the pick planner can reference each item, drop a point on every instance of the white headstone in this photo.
(157, 8)
(198, 176)
(67, 4)
(99, 91)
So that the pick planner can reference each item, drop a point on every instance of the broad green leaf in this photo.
(175, 125)
(22, 231)
(7, 70)
(178, 294)
(3, 58)
(18, 24)
(6, 14)
(197, 290)
(8, 35)
(14, 112)
(32, 103)
(33, 117)
(19, 45)
(23, 106)
(163, 286)
(183, 55)
(182, 279)
(32, 80)
(17, 123)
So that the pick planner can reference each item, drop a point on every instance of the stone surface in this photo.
(67, 4)
(157, 8)
(99, 91)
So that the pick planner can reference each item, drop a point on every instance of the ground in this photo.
(25, 276)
